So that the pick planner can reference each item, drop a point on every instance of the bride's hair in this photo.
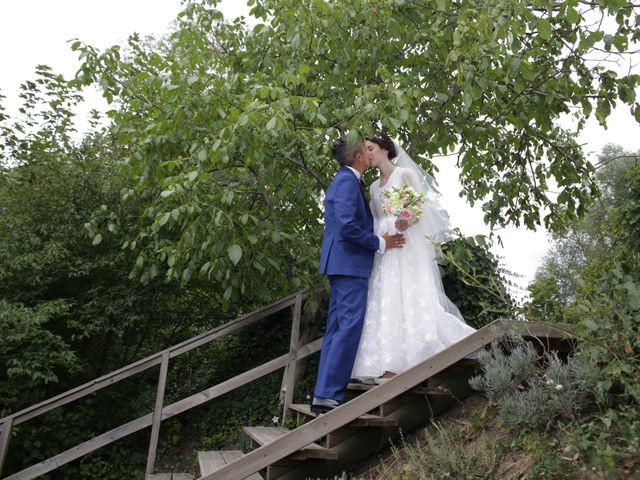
(385, 143)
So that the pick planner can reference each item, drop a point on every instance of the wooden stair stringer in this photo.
(366, 442)
(317, 428)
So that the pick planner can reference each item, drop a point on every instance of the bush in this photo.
(474, 280)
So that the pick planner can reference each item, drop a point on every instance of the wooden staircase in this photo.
(319, 446)
(372, 417)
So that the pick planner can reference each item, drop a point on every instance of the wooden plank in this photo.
(231, 455)
(536, 329)
(5, 437)
(395, 403)
(366, 420)
(267, 435)
(159, 476)
(290, 371)
(210, 461)
(340, 435)
(213, 460)
(157, 413)
(419, 390)
(321, 426)
(182, 476)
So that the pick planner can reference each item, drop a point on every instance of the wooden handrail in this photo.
(310, 432)
(160, 358)
(169, 411)
(153, 360)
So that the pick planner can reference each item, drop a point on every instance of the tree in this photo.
(68, 310)
(225, 129)
(598, 292)
(575, 247)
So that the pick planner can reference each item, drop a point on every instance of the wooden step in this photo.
(265, 435)
(363, 421)
(171, 476)
(421, 390)
(214, 460)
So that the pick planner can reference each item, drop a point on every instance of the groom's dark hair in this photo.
(344, 152)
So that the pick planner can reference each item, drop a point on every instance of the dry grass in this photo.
(460, 445)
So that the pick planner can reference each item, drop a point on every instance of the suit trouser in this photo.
(347, 306)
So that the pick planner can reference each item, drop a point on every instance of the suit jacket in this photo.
(348, 243)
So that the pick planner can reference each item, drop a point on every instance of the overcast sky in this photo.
(36, 32)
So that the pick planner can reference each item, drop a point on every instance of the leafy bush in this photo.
(474, 280)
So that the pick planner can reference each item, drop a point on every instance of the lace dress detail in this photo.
(408, 318)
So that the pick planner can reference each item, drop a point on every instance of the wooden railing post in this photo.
(157, 413)
(5, 436)
(290, 371)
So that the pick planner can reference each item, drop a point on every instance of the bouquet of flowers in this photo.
(403, 202)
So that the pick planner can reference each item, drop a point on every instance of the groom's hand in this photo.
(394, 241)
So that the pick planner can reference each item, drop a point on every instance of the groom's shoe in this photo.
(323, 405)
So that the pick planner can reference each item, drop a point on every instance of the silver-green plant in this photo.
(533, 390)
(506, 365)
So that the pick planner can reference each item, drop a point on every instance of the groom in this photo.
(348, 248)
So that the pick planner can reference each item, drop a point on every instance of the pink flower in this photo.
(405, 213)
(420, 205)
(388, 206)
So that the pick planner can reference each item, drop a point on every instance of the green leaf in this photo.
(227, 292)
(544, 28)
(235, 253)
(572, 15)
(186, 274)
(97, 239)
(603, 110)
(164, 219)
(526, 71)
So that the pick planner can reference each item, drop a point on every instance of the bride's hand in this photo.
(402, 225)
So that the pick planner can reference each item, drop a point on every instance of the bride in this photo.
(408, 318)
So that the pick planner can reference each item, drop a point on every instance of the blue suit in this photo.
(348, 249)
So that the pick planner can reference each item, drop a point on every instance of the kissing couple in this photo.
(387, 307)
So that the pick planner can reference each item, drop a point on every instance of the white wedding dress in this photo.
(409, 318)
